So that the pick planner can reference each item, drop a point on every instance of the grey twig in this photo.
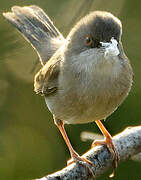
(128, 143)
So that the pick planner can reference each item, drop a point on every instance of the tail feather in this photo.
(37, 28)
(45, 19)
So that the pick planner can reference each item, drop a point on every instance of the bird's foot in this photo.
(110, 145)
(82, 160)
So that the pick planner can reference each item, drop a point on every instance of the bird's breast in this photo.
(91, 94)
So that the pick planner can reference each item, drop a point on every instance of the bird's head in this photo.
(94, 33)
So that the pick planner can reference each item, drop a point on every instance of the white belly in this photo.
(94, 97)
(73, 108)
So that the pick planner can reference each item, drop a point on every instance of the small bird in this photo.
(84, 77)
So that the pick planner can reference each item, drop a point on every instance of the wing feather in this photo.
(46, 80)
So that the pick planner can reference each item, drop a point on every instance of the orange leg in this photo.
(74, 155)
(109, 143)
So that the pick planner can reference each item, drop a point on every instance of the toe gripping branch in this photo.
(110, 145)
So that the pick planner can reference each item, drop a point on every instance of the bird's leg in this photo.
(74, 155)
(109, 143)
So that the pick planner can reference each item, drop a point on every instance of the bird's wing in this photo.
(46, 80)
(37, 28)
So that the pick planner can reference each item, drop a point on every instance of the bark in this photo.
(127, 143)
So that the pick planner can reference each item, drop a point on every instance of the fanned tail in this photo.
(37, 28)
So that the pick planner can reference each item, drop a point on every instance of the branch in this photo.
(128, 143)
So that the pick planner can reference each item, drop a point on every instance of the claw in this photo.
(110, 145)
(74, 155)
(112, 149)
(85, 162)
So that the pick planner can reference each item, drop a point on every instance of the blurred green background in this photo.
(30, 144)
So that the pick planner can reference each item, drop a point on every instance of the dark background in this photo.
(30, 144)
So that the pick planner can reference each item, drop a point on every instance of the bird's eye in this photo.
(89, 41)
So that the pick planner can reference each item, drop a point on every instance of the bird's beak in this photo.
(111, 48)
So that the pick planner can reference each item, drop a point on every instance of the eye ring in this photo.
(89, 41)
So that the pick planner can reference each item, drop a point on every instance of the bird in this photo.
(85, 76)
